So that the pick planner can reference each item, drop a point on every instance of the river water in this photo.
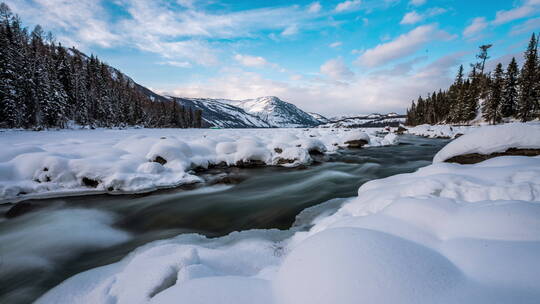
(65, 236)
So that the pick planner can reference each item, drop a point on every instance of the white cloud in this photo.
(527, 26)
(83, 22)
(159, 26)
(187, 3)
(290, 30)
(417, 2)
(402, 46)
(314, 7)
(348, 5)
(335, 44)
(411, 18)
(414, 17)
(477, 25)
(179, 64)
(257, 62)
(199, 52)
(250, 61)
(502, 17)
(336, 69)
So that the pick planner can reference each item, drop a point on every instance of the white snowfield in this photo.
(57, 163)
(447, 233)
(439, 131)
(491, 139)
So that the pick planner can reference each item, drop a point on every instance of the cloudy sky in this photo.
(332, 57)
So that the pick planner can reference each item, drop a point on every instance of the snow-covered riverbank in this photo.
(454, 131)
(447, 233)
(56, 163)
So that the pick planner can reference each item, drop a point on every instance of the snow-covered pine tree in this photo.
(536, 107)
(474, 89)
(528, 100)
(510, 90)
(455, 97)
(8, 76)
(491, 106)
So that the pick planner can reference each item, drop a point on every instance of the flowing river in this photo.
(64, 236)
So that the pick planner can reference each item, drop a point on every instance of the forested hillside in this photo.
(504, 93)
(44, 85)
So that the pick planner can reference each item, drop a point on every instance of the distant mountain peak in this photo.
(276, 112)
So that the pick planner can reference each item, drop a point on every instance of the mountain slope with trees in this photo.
(45, 85)
(503, 94)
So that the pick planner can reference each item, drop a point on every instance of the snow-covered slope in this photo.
(319, 117)
(276, 112)
(217, 113)
(365, 121)
(492, 139)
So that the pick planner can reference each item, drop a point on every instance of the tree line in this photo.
(45, 85)
(502, 94)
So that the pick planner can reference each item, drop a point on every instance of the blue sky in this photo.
(331, 57)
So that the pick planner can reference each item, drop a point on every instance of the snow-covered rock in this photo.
(356, 139)
(491, 139)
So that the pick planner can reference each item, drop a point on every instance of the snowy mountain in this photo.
(276, 112)
(366, 121)
(319, 117)
(263, 112)
(217, 113)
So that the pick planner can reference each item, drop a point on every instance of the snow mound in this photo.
(356, 135)
(446, 233)
(351, 265)
(491, 139)
(439, 131)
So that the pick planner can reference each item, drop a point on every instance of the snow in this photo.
(491, 139)
(262, 112)
(364, 121)
(68, 162)
(276, 112)
(356, 135)
(439, 131)
(447, 233)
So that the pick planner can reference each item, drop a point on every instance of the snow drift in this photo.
(491, 139)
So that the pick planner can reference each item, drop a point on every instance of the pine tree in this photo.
(528, 100)
(510, 90)
(491, 106)
(8, 93)
(482, 56)
(472, 95)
